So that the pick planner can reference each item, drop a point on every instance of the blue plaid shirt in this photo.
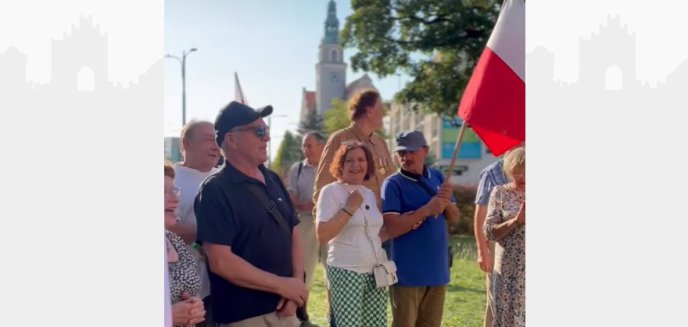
(490, 177)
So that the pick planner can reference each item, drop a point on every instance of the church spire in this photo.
(331, 24)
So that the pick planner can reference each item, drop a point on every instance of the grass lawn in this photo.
(464, 305)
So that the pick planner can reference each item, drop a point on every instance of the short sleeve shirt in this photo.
(421, 254)
(493, 175)
(301, 184)
(357, 247)
(228, 214)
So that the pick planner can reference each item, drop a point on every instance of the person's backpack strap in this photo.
(299, 173)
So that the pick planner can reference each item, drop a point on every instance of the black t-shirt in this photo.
(227, 213)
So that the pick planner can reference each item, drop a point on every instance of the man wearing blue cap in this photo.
(415, 203)
(246, 226)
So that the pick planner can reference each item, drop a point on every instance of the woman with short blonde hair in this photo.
(505, 225)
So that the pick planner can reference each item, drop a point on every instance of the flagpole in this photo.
(457, 146)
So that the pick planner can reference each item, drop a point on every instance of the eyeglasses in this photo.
(260, 130)
(402, 153)
(173, 191)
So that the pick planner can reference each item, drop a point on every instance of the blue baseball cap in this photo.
(410, 141)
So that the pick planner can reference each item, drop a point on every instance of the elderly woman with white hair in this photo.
(505, 225)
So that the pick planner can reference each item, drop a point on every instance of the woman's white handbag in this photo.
(385, 274)
(385, 271)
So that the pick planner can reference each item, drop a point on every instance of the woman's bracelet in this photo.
(347, 211)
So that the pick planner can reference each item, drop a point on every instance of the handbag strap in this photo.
(365, 228)
(269, 205)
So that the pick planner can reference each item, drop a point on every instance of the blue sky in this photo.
(271, 44)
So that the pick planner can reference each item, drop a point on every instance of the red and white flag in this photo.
(238, 93)
(494, 102)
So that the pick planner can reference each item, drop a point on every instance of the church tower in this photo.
(330, 77)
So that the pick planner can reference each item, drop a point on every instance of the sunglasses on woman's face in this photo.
(260, 130)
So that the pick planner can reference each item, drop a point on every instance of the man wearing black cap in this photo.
(246, 226)
(415, 203)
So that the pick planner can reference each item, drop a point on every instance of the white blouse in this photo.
(351, 249)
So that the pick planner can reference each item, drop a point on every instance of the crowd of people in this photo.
(242, 243)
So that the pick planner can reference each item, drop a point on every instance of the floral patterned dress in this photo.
(184, 272)
(509, 275)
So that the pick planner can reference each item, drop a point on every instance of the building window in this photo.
(333, 55)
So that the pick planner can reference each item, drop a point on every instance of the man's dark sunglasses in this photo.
(260, 130)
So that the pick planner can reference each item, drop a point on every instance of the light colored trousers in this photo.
(310, 245)
(267, 320)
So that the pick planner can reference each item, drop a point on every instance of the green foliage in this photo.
(464, 304)
(313, 123)
(465, 197)
(288, 153)
(436, 42)
(430, 159)
(337, 117)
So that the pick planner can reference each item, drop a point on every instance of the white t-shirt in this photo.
(351, 249)
(189, 181)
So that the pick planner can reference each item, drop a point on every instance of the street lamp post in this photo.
(182, 61)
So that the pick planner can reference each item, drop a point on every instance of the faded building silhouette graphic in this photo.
(80, 89)
(607, 83)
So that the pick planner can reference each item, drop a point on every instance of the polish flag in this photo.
(494, 101)
(238, 93)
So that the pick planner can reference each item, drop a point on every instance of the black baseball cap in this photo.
(237, 114)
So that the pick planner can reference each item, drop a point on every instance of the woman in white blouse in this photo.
(349, 221)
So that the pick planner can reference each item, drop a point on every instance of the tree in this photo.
(337, 117)
(313, 123)
(436, 42)
(430, 159)
(288, 153)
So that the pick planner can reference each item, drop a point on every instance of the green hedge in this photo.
(465, 196)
